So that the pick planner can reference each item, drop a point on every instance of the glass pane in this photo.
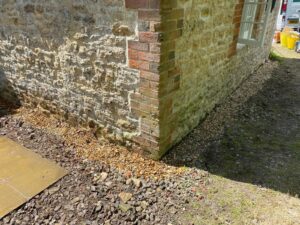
(259, 21)
(248, 20)
(253, 19)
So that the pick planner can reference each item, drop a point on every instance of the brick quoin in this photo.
(238, 11)
(152, 53)
(145, 102)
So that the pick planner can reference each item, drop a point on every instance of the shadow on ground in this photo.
(9, 101)
(262, 145)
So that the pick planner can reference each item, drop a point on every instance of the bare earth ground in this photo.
(253, 161)
(240, 166)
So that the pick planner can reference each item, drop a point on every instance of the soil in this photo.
(240, 166)
(249, 145)
(259, 141)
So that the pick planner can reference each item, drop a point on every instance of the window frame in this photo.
(245, 20)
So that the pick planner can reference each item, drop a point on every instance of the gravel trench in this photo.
(93, 192)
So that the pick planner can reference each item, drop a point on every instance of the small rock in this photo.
(77, 199)
(121, 30)
(103, 176)
(69, 207)
(99, 206)
(53, 190)
(32, 136)
(125, 197)
(57, 208)
(152, 217)
(137, 182)
(124, 207)
(173, 210)
(128, 181)
(6, 219)
(108, 184)
(144, 204)
(93, 188)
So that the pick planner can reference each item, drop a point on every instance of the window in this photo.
(254, 21)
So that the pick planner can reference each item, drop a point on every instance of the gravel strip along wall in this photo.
(140, 72)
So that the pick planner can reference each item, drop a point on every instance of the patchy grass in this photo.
(275, 57)
(231, 202)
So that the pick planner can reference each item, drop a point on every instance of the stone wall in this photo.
(208, 61)
(70, 57)
(139, 71)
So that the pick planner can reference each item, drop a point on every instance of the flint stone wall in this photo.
(70, 57)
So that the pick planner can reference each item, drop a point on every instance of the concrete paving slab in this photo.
(23, 174)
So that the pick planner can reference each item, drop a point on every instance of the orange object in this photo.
(277, 37)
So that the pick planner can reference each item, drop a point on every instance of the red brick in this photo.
(136, 45)
(141, 65)
(154, 4)
(133, 54)
(145, 55)
(148, 56)
(144, 83)
(149, 37)
(237, 19)
(140, 113)
(140, 98)
(149, 15)
(155, 47)
(150, 134)
(149, 84)
(149, 92)
(134, 64)
(154, 67)
(145, 143)
(144, 106)
(149, 76)
(137, 4)
(154, 84)
(232, 49)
